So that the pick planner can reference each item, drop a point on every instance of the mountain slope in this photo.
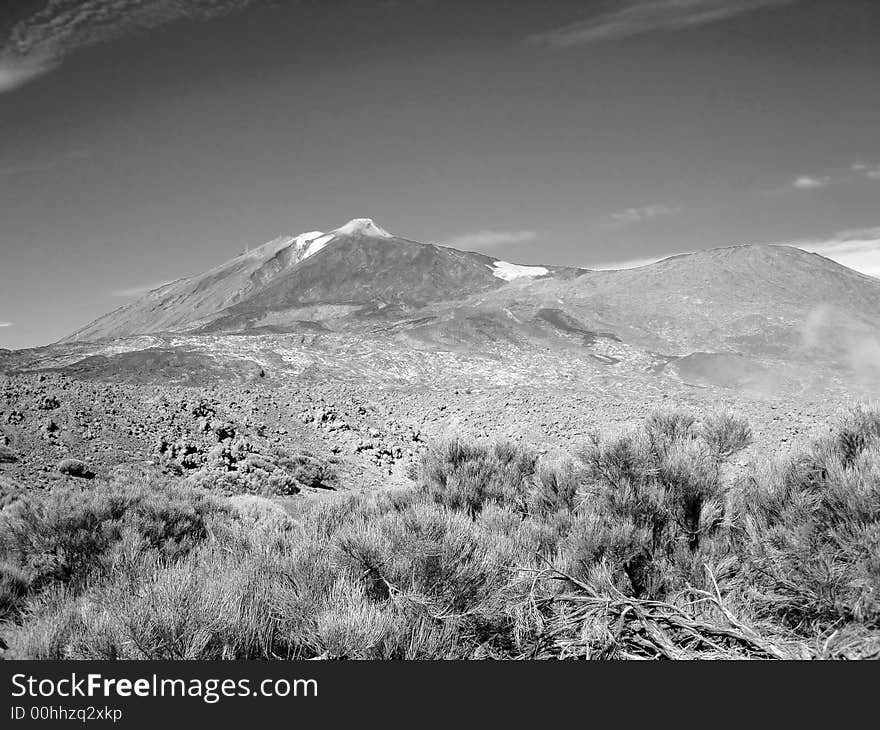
(761, 300)
(357, 268)
(366, 276)
(179, 302)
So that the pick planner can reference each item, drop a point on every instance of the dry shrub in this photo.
(643, 546)
(813, 526)
(657, 511)
(466, 477)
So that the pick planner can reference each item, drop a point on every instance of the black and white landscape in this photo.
(505, 418)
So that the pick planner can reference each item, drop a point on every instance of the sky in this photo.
(146, 140)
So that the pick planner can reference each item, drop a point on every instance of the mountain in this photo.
(358, 268)
(752, 299)
(360, 300)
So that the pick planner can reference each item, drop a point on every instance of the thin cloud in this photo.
(858, 249)
(630, 216)
(857, 172)
(625, 264)
(6, 324)
(807, 182)
(40, 40)
(18, 72)
(869, 172)
(644, 16)
(138, 291)
(24, 168)
(490, 238)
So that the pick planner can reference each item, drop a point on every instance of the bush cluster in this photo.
(493, 553)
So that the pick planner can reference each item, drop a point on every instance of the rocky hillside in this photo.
(359, 302)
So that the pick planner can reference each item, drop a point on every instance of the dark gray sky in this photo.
(145, 140)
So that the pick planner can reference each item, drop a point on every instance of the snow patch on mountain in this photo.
(304, 238)
(362, 227)
(317, 244)
(309, 243)
(509, 272)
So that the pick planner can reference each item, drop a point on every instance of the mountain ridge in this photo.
(364, 283)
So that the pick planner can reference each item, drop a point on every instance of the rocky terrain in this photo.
(325, 362)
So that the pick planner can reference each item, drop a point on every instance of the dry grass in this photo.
(641, 547)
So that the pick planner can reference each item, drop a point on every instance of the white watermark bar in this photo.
(209, 690)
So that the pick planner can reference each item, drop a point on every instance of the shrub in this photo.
(466, 477)
(555, 487)
(725, 434)
(657, 505)
(75, 468)
(14, 585)
(427, 551)
(65, 535)
(813, 525)
(351, 626)
(308, 471)
(639, 547)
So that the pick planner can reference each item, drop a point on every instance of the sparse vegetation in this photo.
(7, 455)
(75, 468)
(644, 544)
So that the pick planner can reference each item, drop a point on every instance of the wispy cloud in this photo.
(634, 17)
(624, 264)
(139, 290)
(858, 249)
(805, 183)
(856, 172)
(808, 182)
(39, 40)
(867, 171)
(15, 72)
(6, 324)
(630, 216)
(490, 238)
(23, 168)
